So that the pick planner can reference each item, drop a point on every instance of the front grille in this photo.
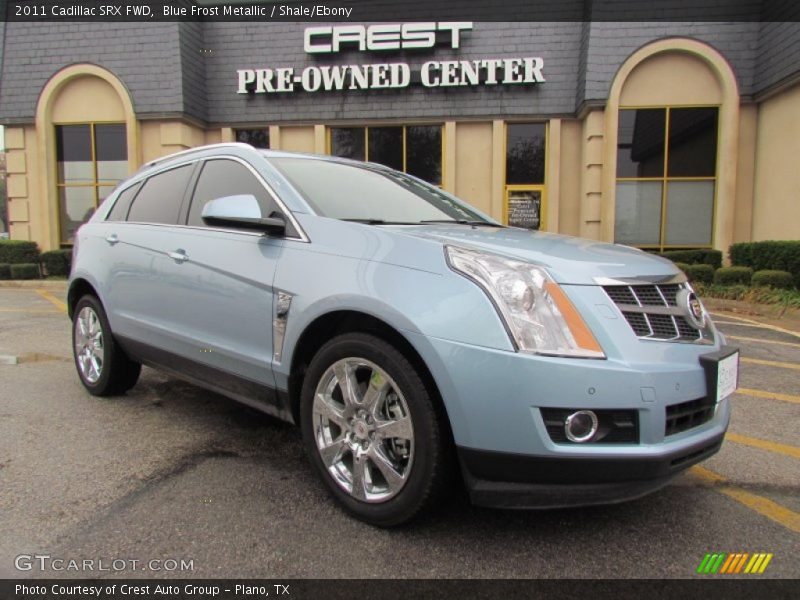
(652, 311)
(613, 426)
(687, 415)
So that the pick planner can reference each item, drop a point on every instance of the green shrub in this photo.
(682, 266)
(695, 257)
(699, 273)
(5, 271)
(25, 271)
(56, 262)
(733, 276)
(772, 278)
(744, 293)
(780, 255)
(18, 251)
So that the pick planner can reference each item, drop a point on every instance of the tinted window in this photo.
(348, 142)
(227, 178)
(123, 203)
(525, 153)
(343, 191)
(424, 152)
(258, 138)
(692, 142)
(160, 198)
(386, 146)
(640, 142)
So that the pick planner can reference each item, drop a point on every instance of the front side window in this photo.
(413, 149)
(666, 176)
(222, 177)
(159, 199)
(91, 159)
(354, 192)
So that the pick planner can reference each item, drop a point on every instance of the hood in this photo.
(569, 260)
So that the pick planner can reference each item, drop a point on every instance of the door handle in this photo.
(179, 256)
(112, 239)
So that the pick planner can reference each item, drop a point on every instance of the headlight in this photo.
(537, 313)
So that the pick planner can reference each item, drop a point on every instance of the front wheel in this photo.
(103, 367)
(371, 430)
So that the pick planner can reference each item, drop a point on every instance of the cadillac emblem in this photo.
(695, 313)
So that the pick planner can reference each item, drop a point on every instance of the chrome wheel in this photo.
(89, 344)
(363, 430)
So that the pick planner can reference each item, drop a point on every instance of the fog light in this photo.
(580, 426)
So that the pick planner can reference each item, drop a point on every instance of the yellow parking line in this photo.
(59, 304)
(754, 323)
(760, 341)
(770, 363)
(763, 506)
(768, 395)
(784, 449)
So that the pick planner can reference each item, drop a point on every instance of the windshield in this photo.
(364, 193)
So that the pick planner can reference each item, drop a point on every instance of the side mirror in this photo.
(241, 212)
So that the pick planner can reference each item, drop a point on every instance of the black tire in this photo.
(118, 372)
(431, 467)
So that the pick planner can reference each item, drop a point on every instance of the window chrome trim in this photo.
(302, 236)
(162, 159)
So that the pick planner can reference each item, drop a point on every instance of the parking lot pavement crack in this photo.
(185, 463)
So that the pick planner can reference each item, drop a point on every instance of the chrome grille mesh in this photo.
(652, 311)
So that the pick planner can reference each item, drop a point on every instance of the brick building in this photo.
(659, 135)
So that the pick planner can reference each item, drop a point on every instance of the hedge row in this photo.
(770, 255)
(744, 276)
(55, 263)
(695, 257)
(18, 251)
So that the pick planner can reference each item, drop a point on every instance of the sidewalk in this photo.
(53, 285)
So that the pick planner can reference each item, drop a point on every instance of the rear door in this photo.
(139, 299)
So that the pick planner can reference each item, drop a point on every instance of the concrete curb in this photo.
(57, 285)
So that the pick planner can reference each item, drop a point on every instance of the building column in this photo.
(498, 168)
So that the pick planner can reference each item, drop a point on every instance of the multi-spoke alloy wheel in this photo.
(372, 429)
(363, 429)
(89, 344)
(104, 368)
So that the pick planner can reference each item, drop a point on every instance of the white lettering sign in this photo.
(392, 36)
(434, 73)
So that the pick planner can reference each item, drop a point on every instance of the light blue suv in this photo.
(412, 338)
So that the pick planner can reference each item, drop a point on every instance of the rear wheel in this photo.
(103, 367)
(371, 430)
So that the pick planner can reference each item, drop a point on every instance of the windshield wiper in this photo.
(463, 222)
(379, 222)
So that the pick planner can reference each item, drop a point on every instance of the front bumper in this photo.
(494, 400)
(504, 480)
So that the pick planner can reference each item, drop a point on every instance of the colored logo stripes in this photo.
(741, 562)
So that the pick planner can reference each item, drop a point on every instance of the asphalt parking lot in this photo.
(170, 471)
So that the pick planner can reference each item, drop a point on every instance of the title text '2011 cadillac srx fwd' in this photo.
(411, 337)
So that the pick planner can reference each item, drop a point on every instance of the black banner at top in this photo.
(401, 10)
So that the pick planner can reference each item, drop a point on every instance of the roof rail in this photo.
(161, 159)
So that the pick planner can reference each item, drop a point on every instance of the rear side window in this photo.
(160, 197)
(120, 209)
(221, 177)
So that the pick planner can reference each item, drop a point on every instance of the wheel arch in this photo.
(78, 288)
(331, 324)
